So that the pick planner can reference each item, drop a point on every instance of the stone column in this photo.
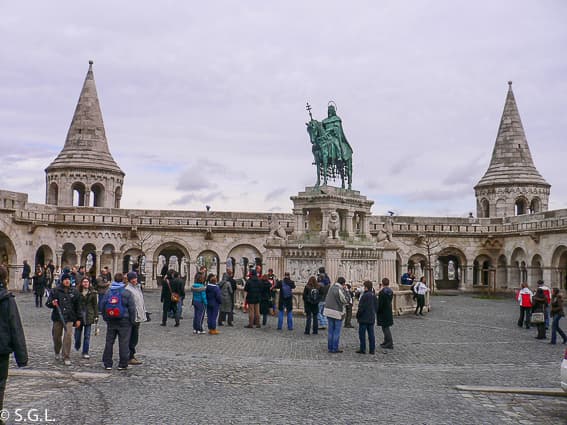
(548, 278)
(58, 257)
(115, 262)
(366, 226)
(332, 261)
(98, 262)
(349, 216)
(299, 222)
(79, 255)
(275, 261)
(388, 268)
(325, 213)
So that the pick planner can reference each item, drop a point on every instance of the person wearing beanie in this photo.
(12, 338)
(65, 303)
(137, 295)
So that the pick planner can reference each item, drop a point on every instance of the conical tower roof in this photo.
(86, 145)
(511, 161)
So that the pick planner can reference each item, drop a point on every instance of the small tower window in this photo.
(521, 206)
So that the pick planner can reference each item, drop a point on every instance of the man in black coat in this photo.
(171, 284)
(366, 316)
(64, 300)
(384, 315)
(253, 290)
(12, 337)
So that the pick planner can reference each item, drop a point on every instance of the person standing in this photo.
(64, 301)
(119, 313)
(265, 299)
(366, 316)
(253, 289)
(350, 298)
(88, 314)
(525, 299)
(420, 290)
(171, 286)
(135, 288)
(547, 295)
(214, 301)
(285, 302)
(556, 314)
(384, 314)
(311, 297)
(199, 303)
(334, 309)
(12, 338)
(227, 298)
(102, 285)
(539, 304)
(325, 284)
(39, 283)
(26, 272)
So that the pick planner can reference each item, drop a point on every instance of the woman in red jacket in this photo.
(525, 299)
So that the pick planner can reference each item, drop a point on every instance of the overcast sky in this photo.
(204, 102)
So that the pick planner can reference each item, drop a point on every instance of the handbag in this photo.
(174, 295)
(537, 318)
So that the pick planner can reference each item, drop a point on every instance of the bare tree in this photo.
(430, 243)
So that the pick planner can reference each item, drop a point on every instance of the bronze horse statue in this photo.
(333, 156)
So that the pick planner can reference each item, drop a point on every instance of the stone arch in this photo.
(78, 194)
(521, 205)
(107, 257)
(117, 196)
(8, 255)
(485, 208)
(53, 194)
(245, 255)
(536, 268)
(518, 272)
(482, 265)
(451, 262)
(175, 256)
(501, 207)
(43, 254)
(69, 256)
(535, 205)
(559, 267)
(210, 259)
(417, 264)
(97, 195)
(398, 267)
(502, 272)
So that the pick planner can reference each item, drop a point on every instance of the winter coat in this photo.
(384, 315)
(39, 282)
(213, 293)
(88, 307)
(311, 308)
(539, 302)
(265, 297)
(177, 285)
(367, 308)
(26, 271)
(557, 306)
(525, 297)
(226, 295)
(127, 301)
(12, 339)
(199, 293)
(68, 299)
(335, 302)
(253, 289)
(279, 285)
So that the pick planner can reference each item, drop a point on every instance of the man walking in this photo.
(384, 315)
(135, 289)
(12, 337)
(26, 277)
(334, 308)
(119, 312)
(66, 313)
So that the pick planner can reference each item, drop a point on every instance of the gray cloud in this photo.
(276, 193)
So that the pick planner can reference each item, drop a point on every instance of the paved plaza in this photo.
(282, 377)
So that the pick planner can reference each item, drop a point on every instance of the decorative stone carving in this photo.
(334, 225)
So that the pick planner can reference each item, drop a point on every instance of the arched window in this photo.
(117, 197)
(97, 195)
(535, 206)
(53, 194)
(521, 206)
(485, 207)
(78, 194)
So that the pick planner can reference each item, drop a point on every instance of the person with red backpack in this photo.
(119, 313)
(525, 299)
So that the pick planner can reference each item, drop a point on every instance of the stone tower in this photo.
(512, 185)
(84, 173)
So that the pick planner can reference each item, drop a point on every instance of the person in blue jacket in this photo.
(214, 301)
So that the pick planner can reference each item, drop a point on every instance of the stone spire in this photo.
(86, 145)
(512, 185)
(511, 161)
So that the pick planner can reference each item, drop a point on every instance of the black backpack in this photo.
(313, 296)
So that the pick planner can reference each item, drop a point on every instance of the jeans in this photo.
(212, 316)
(555, 329)
(122, 329)
(180, 307)
(388, 341)
(62, 341)
(134, 338)
(363, 329)
(26, 285)
(198, 316)
(420, 303)
(39, 297)
(322, 319)
(311, 315)
(334, 334)
(86, 340)
(546, 315)
(289, 314)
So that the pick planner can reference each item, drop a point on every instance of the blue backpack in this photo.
(286, 290)
(113, 306)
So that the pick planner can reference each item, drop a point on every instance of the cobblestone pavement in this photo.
(281, 377)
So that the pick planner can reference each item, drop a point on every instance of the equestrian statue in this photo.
(331, 150)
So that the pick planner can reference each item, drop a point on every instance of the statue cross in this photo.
(308, 107)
